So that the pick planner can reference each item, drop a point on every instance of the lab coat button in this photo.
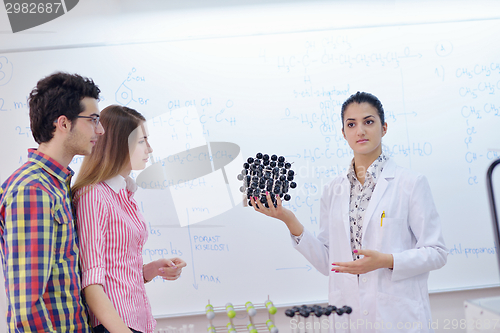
(365, 312)
(364, 279)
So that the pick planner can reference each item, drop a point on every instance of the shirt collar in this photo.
(50, 165)
(118, 183)
(351, 175)
(373, 172)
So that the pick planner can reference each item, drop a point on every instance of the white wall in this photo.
(94, 22)
(98, 22)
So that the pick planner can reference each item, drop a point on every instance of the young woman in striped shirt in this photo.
(111, 229)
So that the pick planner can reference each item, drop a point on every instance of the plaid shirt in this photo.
(40, 249)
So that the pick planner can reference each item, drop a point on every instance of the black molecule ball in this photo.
(267, 173)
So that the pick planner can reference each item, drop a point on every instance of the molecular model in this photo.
(252, 326)
(314, 313)
(266, 173)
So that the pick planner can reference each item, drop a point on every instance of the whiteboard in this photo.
(281, 94)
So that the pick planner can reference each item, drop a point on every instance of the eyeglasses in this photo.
(95, 119)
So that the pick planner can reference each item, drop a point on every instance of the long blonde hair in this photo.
(111, 152)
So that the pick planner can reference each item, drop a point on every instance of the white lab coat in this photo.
(383, 300)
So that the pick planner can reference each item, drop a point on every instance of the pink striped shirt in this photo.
(111, 233)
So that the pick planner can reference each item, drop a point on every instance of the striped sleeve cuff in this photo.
(93, 276)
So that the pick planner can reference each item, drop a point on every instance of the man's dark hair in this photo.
(364, 97)
(59, 94)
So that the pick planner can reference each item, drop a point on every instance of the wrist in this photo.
(288, 217)
(149, 271)
(390, 261)
(144, 274)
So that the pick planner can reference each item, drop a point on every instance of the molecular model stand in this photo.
(250, 310)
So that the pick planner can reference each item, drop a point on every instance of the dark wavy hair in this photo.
(59, 94)
(363, 97)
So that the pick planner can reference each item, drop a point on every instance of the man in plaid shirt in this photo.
(38, 236)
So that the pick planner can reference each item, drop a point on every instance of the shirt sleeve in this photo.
(28, 255)
(430, 252)
(296, 239)
(91, 218)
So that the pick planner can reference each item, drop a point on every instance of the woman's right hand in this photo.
(279, 212)
(170, 269)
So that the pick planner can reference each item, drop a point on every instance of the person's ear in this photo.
(63, 124)
(384, 129)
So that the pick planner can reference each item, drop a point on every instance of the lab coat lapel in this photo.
(385, 177)
(346, 195)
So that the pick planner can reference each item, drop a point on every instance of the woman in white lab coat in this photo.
(380, 233)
